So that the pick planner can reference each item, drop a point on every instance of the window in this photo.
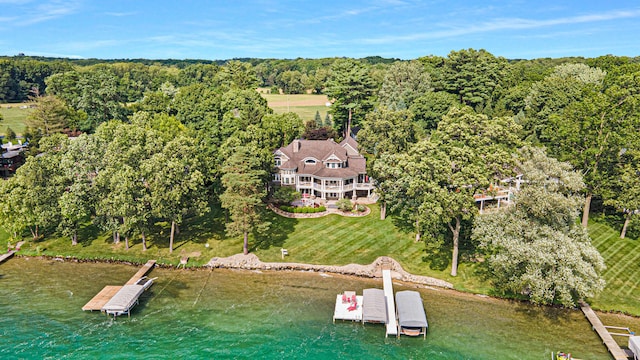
(310, 162)
(278, 161)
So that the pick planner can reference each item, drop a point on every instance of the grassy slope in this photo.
(13, 117)
(331, 239)
(622, 257)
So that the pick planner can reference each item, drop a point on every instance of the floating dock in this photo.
(392, 320)
(110, 292)
(348, 307)
(613, 347)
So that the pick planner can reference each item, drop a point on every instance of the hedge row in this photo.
(303, 210)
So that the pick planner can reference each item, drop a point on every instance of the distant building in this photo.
(12, 158)
(323, 168)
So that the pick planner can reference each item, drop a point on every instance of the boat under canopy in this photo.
(412, 320)
(125, 299)
(374, 306)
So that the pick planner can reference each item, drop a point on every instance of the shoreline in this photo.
(252, 262)
(373, 270)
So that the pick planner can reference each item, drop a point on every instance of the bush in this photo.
(344, 204)
(302, 210)
(360, 208)
(285, 195)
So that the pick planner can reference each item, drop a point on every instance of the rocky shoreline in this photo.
(373, 270)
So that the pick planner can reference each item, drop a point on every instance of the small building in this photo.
(323, 168)
(11, 159)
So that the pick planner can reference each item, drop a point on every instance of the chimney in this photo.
(296, 145)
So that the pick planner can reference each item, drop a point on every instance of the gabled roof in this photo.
(322, 150)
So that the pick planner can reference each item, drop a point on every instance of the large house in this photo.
(323, 169)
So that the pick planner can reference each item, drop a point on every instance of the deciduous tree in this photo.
(536, 248)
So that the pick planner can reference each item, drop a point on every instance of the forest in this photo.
(170, 140)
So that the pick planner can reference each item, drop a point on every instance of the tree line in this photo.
(436, 131)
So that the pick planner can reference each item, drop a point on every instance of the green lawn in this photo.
(13, 117)
(332, 239)
(622, 257)
(336, 240)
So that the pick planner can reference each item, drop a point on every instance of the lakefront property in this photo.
(323, 169)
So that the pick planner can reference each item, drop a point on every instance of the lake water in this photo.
(227, 314)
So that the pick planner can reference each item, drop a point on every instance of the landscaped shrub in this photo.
(360, 208)
(302, 210)
(344, 204)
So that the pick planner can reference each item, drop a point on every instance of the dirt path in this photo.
(316, 102)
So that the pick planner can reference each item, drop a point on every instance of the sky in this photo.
(287, 29)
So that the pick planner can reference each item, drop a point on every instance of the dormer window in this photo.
(333, 165)
(278, 161)
(310, 162)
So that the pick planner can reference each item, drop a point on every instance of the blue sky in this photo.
(406, 29)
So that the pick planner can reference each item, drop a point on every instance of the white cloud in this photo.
(497, 24)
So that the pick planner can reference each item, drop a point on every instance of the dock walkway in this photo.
(392, 320)
(109, 291)
(6, 255)
(613, 347)
(10, 253)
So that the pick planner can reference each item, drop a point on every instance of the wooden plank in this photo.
(613, 347)
(6, 255)
(101, 298)
(142, 272)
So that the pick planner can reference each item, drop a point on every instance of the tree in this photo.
(555, 92)
(175, 182)
(327, 121)
(317, 119)
(429, 108)
(591, 133)
(51, 115)
(125, 203)
(472, 75)
(40, 185)
(387, 131)
(80, 164)
(292, 82)
(10, 134)
(404, 82)
(432, 185)
(352, 91)
(243, 180)
(236, 75)
(536, 248)
(627, 188)
(12, 219)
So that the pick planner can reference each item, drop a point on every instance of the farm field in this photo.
(305, 105)
(13, 117)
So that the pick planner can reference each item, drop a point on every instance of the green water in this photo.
(226, 314)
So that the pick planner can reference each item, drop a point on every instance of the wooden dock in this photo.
(10, 253)
(102, 298)
(7, 255)
(142, 272)
(392, 320)
(613, 347)
(98, 301)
